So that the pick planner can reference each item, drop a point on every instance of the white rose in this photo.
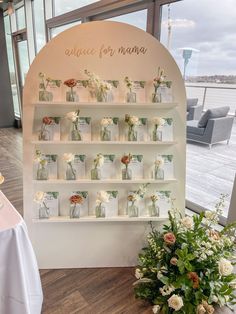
(104, 122)
(72, 116)
(138, 273)
(214, 298)
(175, 302)
(210, 215)
(159, 162)
(134, 120)
(225, 267)
(187, 222)
(103, 197)
(39, 197)
(167, 290)
(159, 121)
(1, 178)
(68, 157)
(99, 160)
(156, 309)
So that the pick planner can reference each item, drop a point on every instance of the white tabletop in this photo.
(20, 285)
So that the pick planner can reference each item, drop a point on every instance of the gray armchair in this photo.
(213, 127)
(194, 110)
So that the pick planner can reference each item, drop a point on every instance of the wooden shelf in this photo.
(36, 142)
(110, 181)
(104, 105)
(94, 219)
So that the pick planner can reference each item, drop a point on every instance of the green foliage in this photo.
(115, 120)
(143, 121)
(139, 157)
(53, 194)
(169, 121)
(189, 265)
(113, 194)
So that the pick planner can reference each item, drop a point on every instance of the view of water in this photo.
(217, 95)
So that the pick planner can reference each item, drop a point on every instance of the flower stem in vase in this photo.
(100, 211)
(154, 210)
(75, 133)
(133, 210)
(70, 172)
(106, 134)
(43, 211)
(42, 172)
(96, 174)
(157, 134)
(75, 211)
(126, 173)
(159, 173)
(132, 134)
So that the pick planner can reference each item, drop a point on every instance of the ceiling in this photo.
(3, 5)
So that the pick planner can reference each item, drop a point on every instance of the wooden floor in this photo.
(70, 291)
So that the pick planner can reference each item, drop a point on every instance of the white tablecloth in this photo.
(20, 285)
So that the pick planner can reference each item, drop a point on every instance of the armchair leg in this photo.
(210, 146)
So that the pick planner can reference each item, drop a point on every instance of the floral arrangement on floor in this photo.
(187, 267)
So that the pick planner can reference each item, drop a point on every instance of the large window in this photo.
(203, 45)
(57, 30)
(20, 18)
(63, 6)
(39, 24)
(138, 19)
(11, 65)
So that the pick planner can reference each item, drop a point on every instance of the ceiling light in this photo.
(10, 8)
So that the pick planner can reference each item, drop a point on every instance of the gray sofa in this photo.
(214, 126)
(194, 110)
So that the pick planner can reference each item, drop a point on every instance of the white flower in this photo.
(167, 290)
(156, 308)
(102, 197)
(159, 121)
(159, 275)
(39, 197)
(214, 298)
(138, 273)
(159, 162)
(133, 120)
(73, 115)
(233, 284)
(1, 178)
(175, 302)
(211, 216)
(106, 121)
(68, 157)
(99, 160)
(187, 222)
(225, 267)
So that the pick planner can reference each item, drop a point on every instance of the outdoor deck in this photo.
(210, 172)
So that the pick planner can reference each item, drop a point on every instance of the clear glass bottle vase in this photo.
(70, 172)
(102, 96)
(132, 134)
(44, 134)
(75, 133)
(42, 172)
(133, 210)
(45, 95)
(100, 211)
(157, 135)
(126, 174)
(75, 210)
(96, 174)
(105, 134)
(158, 173)
(131, 97)
(72, 96)
(43, 212)
(156, 96)
(154, 210)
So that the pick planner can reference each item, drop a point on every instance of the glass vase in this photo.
(131, 97)
(43, 212)
(96, 174)
(70, 172)
(42, 172)
(100, 211)
(44, 134)
(158, 173)
(71, 96)
(75, 211)
(44, 95)
(75, 133)
(133, 210)
(156, 97)
(157, 135)
(154, 210)
(105, 134)
(126, 174)
(110, 96)
(101, 96)
(132, 135)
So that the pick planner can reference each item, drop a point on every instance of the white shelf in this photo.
(110, 181)
(104, 105)
(94, 219)
(36, 142)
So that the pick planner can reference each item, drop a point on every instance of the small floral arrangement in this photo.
(129, 83)
(45, 81)
(73, 116)
(154, 198)
(99, 88)
(159, 79)
(132, 122)
(76, 199)
(102, 197)
(158, 122)
(126, 159)
(187, 267)
(70, 83)
(159, 162)
(105, 133)
(71, 95)
(98, 161)
(2, 179)
(134, 197)
(40, 197)
(105, 122)
(40, 158)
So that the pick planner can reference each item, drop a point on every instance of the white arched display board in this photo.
(111, 50)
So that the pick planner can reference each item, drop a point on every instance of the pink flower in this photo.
(169, 238)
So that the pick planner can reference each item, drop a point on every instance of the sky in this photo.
(208, 26)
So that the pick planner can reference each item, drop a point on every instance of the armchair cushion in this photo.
(191, 102)
(192, 127)
(213, 114)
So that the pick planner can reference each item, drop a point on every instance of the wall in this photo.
(6, 102)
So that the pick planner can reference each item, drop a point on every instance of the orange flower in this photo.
(193, 276)
(174, 261)
(169, 238)
(76, 199)
(47, 120)
(126, 159)
(70, 83)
